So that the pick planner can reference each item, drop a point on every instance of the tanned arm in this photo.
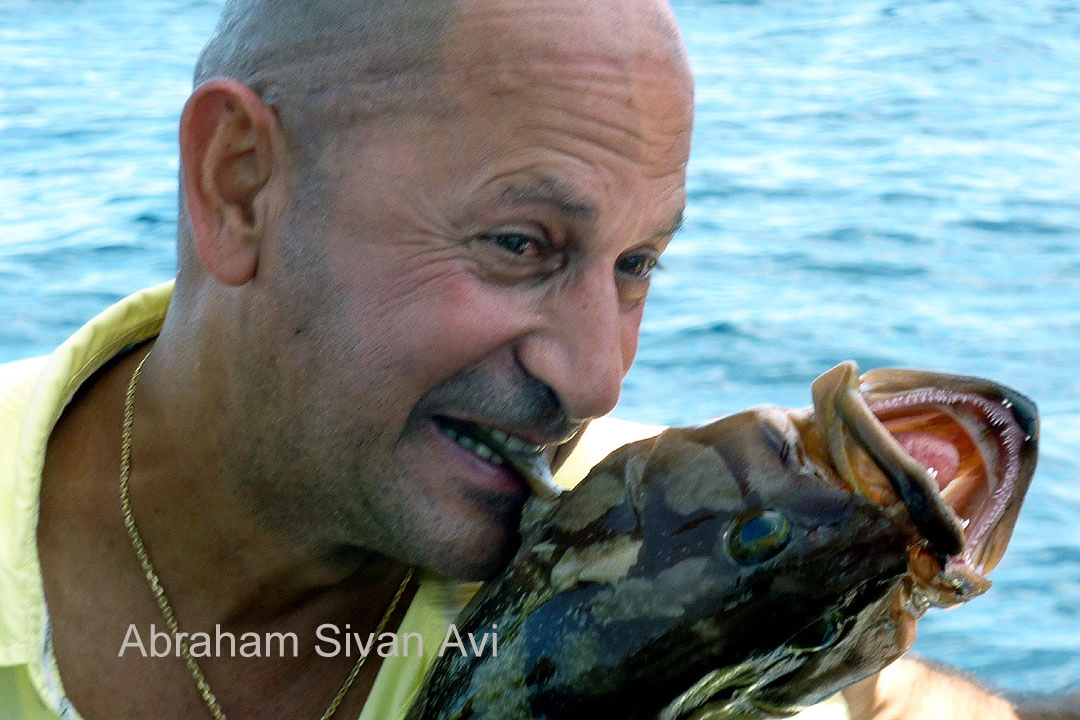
(916, 690)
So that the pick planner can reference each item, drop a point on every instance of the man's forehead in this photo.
(619, 68)
(541, 33)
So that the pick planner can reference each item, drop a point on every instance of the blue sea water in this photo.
(895, 183)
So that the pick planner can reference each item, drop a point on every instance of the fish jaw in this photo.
(957, 453)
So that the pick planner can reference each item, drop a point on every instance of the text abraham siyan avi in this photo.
(330, 641)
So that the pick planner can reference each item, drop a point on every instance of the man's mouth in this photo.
(501, 448)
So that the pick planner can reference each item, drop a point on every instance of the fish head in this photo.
(751, 565)
(947, 461)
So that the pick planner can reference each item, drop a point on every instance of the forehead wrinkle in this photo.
(575, 133)
(589, 78)
(597, 96)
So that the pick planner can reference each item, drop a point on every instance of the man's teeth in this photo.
(470, 443)
(514, 444)
(509, 443)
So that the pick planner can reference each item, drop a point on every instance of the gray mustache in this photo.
(523, 404)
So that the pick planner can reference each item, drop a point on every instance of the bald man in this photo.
(415, 242)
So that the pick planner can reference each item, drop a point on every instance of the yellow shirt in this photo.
(33, 394)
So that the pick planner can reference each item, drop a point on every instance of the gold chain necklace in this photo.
(159, 592)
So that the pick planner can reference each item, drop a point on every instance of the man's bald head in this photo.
(330, 63)
(323, 67)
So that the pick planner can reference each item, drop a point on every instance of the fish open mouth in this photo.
(501, 448)
(958, 452)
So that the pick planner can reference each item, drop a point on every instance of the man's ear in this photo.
(229, 150)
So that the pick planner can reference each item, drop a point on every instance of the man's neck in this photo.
(223, 572)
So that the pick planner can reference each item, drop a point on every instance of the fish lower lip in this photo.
(915, 484)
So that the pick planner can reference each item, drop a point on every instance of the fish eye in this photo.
(759, 536)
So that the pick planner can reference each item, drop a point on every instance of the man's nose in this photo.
(585, 345)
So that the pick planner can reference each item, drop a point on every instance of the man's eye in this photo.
(509, 254)
(516, 243)
(637, 266)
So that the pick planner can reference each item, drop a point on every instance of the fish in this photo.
(749, 566)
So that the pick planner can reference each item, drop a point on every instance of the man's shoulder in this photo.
(16, 383)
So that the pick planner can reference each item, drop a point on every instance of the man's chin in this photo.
(482, 563)
(464, 535)
(479, 553)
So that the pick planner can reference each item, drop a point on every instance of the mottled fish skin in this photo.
(741, 569)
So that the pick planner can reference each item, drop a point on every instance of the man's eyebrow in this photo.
(550, 191)
(674, 226)
(565, 198)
